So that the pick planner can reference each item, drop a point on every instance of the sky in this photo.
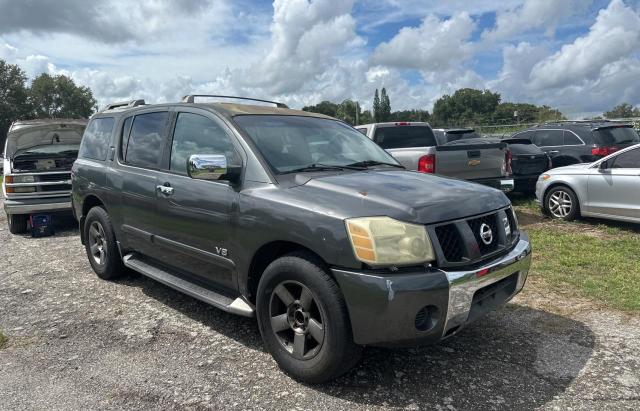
(580, 56)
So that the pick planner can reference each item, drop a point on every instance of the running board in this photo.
(238, 306)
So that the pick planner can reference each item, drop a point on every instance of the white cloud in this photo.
(615, 35)
(435, 45)
(533, 14)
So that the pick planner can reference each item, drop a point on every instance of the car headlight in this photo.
(383, 241)
(23, 179)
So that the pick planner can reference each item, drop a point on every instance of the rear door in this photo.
(141, 152)
(616, 190)
(549, 141)
(194, 216)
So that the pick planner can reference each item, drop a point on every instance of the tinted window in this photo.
(525, 134)
(464, 135)
(195, 134)
(95, 142)
(145, 141)
(547, 138)
(405, 136)
(126, 129)
(616, 135)
(571, 139)
(291, 142)
(630, 159)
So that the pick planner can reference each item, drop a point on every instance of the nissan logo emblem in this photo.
(486, 235)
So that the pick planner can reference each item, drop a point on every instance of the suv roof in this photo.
(591, 124)
(225, 108)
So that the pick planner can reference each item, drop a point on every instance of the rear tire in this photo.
(561, 202)
(17, 223)
(100, 244)
(303, 319)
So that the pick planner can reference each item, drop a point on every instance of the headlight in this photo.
(23, 179)
(380, 241)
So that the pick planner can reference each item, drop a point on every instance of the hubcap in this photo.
(297, 319)
(97, 243)
(560, 204)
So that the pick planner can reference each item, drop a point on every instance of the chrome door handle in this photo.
(165, 190)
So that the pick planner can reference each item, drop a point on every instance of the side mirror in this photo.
(212, 167)
(603, 166)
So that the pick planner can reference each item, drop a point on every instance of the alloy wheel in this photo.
(560, 204)
(97, 243)
(297, 320)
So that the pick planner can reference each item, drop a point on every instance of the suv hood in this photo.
(405, 195)
(29, 136)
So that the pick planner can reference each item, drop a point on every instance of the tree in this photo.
(376, 107)
(347, 111)
(623, 110)
(59, 97)
(366, 117)
(465, 107)
(385, 106)
(13, 97)
(410, 115)
(325, 107)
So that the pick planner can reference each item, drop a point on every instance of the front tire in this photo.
(17, 223)
(303, 319)
(561, 202)
(100, 244)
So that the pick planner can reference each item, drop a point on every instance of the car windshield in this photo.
(297, 143)
(460, 135)
(617, 135)
(50, 149)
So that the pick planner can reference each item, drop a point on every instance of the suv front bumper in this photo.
(426, 305)
(37, 205)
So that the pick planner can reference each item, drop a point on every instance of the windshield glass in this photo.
(617, 135)
(49, 149)
(291, 142)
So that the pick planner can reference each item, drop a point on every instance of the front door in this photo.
(195, 216)
(615, 190)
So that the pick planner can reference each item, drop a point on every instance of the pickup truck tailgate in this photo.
(471, 160)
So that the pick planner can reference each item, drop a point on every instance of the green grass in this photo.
(598, 260)
(3, 340)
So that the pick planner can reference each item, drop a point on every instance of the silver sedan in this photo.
(608, 188)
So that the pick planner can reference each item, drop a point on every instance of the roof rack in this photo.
(131, 103)
(191, 97)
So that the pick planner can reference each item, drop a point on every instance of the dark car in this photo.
(528, 161)
(572, 142)
(297, 219)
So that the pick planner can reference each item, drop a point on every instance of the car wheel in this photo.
(17, 223)
(303, 319)
(561, 202)
(100, 244)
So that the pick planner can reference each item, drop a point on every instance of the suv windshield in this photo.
(616, 135)
(291, 143)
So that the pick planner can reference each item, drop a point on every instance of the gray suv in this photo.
(297, 219)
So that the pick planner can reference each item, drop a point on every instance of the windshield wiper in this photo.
(371, 163)
(322, 167)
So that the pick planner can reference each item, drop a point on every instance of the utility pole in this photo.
(357, 110)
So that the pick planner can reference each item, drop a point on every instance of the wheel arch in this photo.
(268, 253)
(88, 203)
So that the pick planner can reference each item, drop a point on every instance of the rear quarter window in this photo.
(146, 139)
(405, 137)
(96, 139)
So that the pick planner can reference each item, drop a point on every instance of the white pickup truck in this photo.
(415, 146)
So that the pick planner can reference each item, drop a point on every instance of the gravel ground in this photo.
(76, 342)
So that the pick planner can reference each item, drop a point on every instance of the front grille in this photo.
(53, 177)
(468, 242)
(489, 242)
(450, 242)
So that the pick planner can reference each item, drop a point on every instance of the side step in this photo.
(237, 306)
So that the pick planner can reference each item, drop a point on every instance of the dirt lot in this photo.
(75, 342)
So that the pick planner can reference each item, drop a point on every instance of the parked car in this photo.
(38, 155)
(527, 160)
(295, 218)
(573, 142)
(415, 146)
(607, 188)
